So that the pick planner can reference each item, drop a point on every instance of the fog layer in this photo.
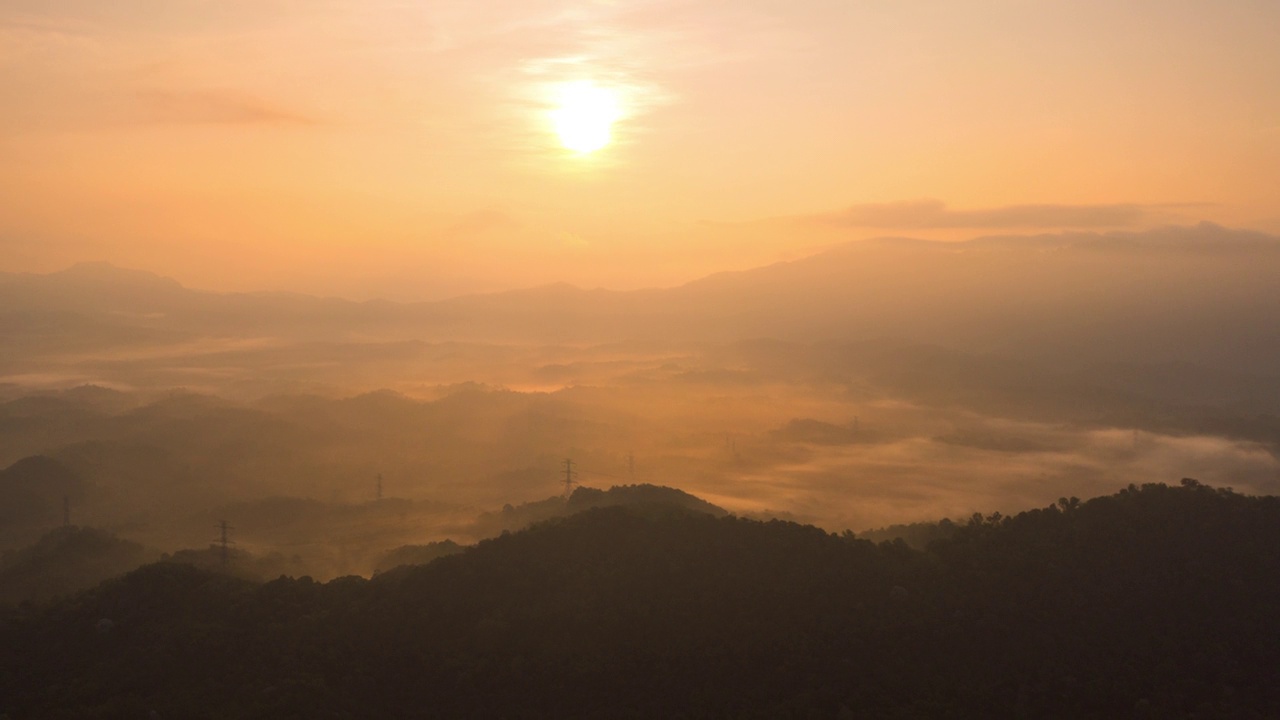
(881, 382)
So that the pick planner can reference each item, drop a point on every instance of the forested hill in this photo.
(1154, 602)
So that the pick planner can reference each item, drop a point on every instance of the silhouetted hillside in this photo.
(650, 499)
(916, 535)
(1153, 602)
(416, 555)
(64, 561)
(238, 563)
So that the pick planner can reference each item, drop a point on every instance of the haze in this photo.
(850, 263)
(406, 150)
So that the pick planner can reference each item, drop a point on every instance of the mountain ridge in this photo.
(1156, 601)
(1202, 295)
(1200, 236)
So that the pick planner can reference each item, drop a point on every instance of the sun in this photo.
(584, 115)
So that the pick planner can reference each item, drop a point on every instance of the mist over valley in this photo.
(996, 374)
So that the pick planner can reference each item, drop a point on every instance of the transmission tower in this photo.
(569, 482)
(66, 511)
(379, 487)
(224, 539)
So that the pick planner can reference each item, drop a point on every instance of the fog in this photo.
(878, 383)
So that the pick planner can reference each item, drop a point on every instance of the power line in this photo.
(573, 469)
(572, 472)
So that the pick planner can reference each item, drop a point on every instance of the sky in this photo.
(410, 150)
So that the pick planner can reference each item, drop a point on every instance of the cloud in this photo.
(215, 107)
(924, 214)
(983, 464)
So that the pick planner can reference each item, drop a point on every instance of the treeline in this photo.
(1154, 602)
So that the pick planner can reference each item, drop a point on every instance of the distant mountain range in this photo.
(1203, 294)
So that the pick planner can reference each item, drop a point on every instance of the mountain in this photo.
(416, 555)
(1171, 329)
(1200, 294)
(1153, 602)
(650, 499)
(32, 492)
(66, 560)
(93, 286)
(1192, 294)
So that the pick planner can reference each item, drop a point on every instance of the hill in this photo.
(32, 491)
(416, 555)
(64, 561)
(1154, 602)
(1175, 294)
(651, 499)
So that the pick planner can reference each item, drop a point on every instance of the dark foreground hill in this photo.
(1154, 602)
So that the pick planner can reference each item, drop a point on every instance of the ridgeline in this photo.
(1154, 602)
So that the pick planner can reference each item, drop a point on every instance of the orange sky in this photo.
(403, 149)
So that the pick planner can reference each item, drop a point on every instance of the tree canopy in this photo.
(1154, 602)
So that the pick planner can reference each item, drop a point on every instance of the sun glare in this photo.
(584, 115)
